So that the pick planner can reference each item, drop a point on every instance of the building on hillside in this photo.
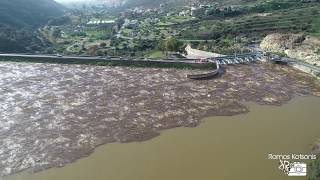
(98, 24)
(151, 20)
(131, 24)
(193, 9)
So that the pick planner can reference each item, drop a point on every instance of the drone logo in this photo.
(293, 169)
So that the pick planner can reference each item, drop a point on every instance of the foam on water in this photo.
(51, 115)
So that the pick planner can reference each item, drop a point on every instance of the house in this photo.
(152, 20)
(183, 13)
(95, 22)
(131, 24)
(193, 9)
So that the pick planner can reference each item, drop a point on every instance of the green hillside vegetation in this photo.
(256, 22)
(24, 40)
(152, 3)
(314, 173)
(28, 12)
(19, 20)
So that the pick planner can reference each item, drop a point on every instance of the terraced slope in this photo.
(27, 12)
(19, 20)
(296, 20)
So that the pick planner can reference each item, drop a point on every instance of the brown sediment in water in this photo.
(52, 115)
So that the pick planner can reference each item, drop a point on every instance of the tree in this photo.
(55, 34)
(172, 44)
(103, 44)
(161, 46)
(314, 172)
(59, 21)
(93, 50)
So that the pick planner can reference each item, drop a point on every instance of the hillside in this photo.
(230, 28)
(150, 3)
(21, 13)
(19, 20)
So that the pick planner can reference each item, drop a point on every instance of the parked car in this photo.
(202, 60)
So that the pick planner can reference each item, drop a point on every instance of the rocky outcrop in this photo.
(295, 46)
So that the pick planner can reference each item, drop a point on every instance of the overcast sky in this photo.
(68, 1)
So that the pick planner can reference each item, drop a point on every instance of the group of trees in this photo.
(137, 47)
(260, 7)
(314, 172)
(22, 40)
(272, 5)
(171, 45)
(20, 20)
(216, 12)
(227, 45)
(22, 13)
(59, 21)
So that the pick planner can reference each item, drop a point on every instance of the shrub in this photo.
(103, 44)
(314, 170)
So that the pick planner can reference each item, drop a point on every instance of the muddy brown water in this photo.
(225, 148)
(53, 115)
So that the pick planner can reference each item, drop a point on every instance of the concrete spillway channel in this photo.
(240, 59)
(211, 74)
(226, 60)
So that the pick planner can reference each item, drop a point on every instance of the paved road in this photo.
(196, 40)
(298, 62)
(290, 61)
(314, 68)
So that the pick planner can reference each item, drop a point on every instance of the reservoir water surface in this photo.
(118, 123)
(234, 147)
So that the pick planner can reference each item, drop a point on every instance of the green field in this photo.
(99, 34)
(156, 54)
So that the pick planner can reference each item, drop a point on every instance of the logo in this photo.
(298, 169)
(290, 165)
(293, 169)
